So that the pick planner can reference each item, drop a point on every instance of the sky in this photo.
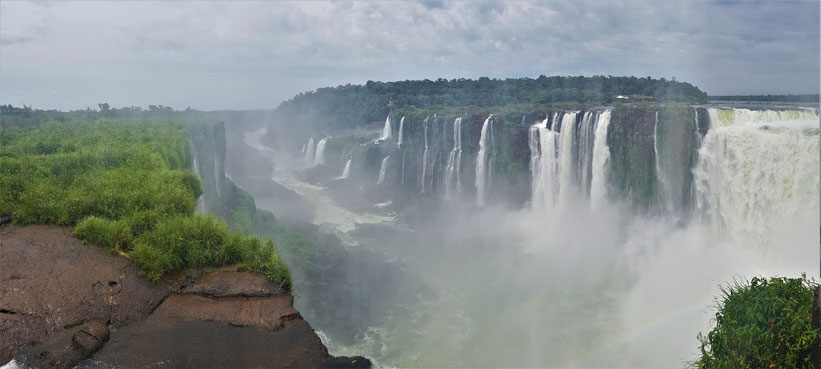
(248, 55)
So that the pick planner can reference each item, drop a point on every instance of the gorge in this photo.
(566, 238)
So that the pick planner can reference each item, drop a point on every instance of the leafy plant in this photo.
(762, 324)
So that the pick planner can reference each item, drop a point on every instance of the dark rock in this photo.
(91, 338)
(347, 362)
(50, 280)
(228, 282)
(67, 348)
(226, 324)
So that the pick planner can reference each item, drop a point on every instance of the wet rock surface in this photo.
(64, 304)
(50, 280)
(67, 348)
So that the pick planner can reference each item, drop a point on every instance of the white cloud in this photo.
(213, 55)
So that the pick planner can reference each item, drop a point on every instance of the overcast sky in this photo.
(212, 55)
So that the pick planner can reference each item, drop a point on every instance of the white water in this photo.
(383, 169)
(586, 149)
(601, 155)
(571, 287)
(425, 156)
(757, 170)
(544, 166)
(401, 130)
(310, 152)
(453, 180)
(663, 191)
(566, 167)
(346, 172)
(482, 162)
(217, 176)
(325, 209)
(320, 151)
(386, 131)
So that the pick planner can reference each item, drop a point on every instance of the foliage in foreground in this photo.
(762, 324)
(127, 187)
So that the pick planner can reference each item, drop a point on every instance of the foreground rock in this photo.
(51, 318)
(50, 281)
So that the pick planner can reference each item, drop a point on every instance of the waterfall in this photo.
(320, 151)
(552, 166)
(544, 165)
(401, 130)
(310, 152)
(425, 155)
(663, 194)
(601, 154)
(383, 168)
(482, 162)
(200, 202)
(386, 132)
(217, 176)
(585, 150)
(347, 171)
(566, 168)
(757, 173)
(453, 180)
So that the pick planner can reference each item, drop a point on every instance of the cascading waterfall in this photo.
(401, 130)
(566, 167)
(320, 151)
(663, 185)
(425, 155)
(544, 164)
(482, 161)
(383, 169)
(585, 150)
(386, 131)
(346, 172)
(310, 152)
(757, 172)
(217, 176)
(453, 180)
(601, 154)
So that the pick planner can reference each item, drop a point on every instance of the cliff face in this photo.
(60, 298)
(651, 150)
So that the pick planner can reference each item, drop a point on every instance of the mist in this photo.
(570, 285)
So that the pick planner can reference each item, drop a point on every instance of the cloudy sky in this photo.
(212, 55)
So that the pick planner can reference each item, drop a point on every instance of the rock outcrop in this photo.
(50, 281)
(65, 304)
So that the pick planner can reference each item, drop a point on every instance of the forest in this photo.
(354, 105)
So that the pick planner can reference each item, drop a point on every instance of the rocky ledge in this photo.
(64, 304)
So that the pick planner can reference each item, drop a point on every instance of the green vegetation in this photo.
(762, 324)
(126, 185)
(809, 98)
(354, 105)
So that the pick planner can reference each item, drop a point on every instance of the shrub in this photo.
(762, 324)
(113, 235)
(129, 188)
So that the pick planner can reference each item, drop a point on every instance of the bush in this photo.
(762, 324)
(129, 188)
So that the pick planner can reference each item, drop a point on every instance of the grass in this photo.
(762, 324)
(125, 186)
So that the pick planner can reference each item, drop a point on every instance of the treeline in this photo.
(352, 105)
(806, 98)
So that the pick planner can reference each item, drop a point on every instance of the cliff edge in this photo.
(63, 304)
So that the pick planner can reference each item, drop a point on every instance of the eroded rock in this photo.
(50, 280)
